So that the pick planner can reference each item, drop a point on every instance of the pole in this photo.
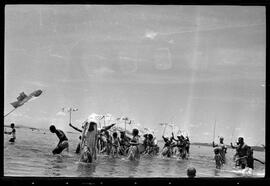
(214, 131)
(10, 112)
(125, 125)
(164, 128)
(232, 135)
(70, 115)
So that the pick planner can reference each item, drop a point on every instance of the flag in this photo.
(100, 117)
(69, 109)
(171, 125)
(23, 98)
(125, 118)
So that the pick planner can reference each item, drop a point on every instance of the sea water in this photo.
(31, 155)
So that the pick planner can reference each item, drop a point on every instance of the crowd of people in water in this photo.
(122, 145)
(93, 141)
(243, 157)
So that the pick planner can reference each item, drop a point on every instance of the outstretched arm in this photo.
(173, 137)
(214, 145)
(163, 138)
(233, 146)
(75, 128)
(107, 127)
(7, 132)
(258, 160)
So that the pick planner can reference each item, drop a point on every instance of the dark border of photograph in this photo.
(10, 180)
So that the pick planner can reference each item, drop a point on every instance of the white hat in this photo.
(92, 118)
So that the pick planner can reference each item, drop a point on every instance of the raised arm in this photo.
(107, 127)
(75, 128)
(134, 142)
(233, 146)
(214, 145)
(163, 138)
(173, 137)
(258, 160)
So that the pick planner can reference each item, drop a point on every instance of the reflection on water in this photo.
(31, 156)
(86, 169)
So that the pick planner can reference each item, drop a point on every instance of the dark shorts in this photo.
(60, 147)
(12, 139)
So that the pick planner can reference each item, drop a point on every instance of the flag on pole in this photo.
(69, 109)
(23, 98)
(125, 118)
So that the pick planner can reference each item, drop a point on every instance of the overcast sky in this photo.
(190, 65)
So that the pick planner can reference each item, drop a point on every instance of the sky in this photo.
(192, 66)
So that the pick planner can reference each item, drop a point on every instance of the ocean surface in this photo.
(31, 156)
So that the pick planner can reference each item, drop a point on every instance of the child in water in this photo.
(13, 133)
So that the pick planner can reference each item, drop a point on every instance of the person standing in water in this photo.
(115, 145)
(218, 158)
(223, 149)
(241, 153)
(124, 143)
(108, 144)
(251, 159)
(63, 140)
(133, 152)
(167, 148)
(12, 133)
(89, 139)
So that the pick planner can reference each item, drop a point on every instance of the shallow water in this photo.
(31, 156)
